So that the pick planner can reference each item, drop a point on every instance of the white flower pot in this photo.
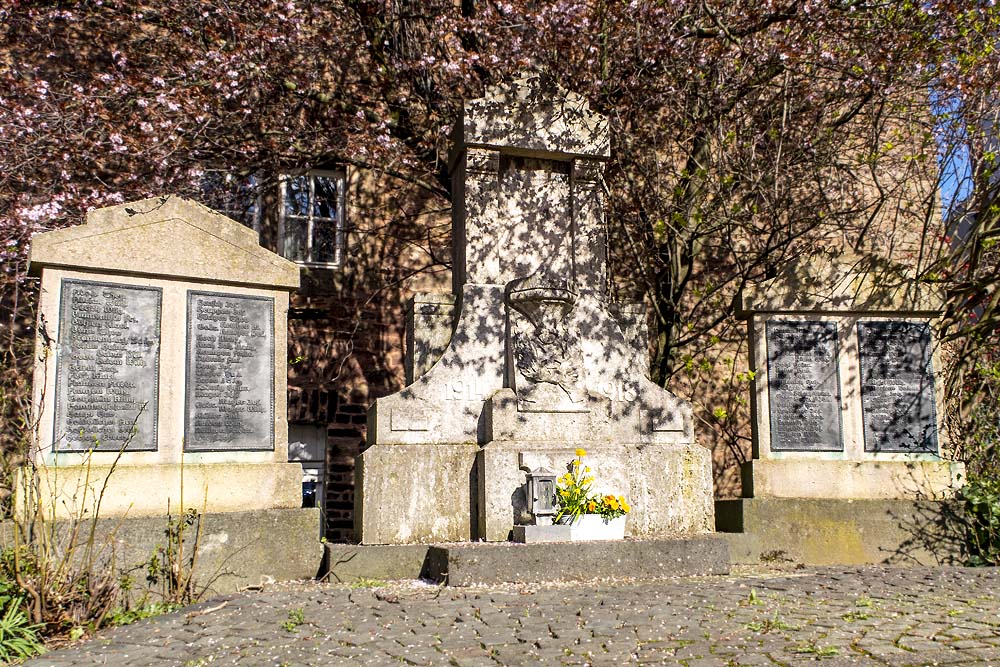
(593, 527)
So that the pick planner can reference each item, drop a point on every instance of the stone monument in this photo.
(539, 362)
(162, 372)
(845, 402)
(847, 418)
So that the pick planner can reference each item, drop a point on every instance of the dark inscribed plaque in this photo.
(803, 385)
(230, 373)
(107, 366)
(897, 387)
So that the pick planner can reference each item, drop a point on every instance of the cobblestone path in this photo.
(869, 616)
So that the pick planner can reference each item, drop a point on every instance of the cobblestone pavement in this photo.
(870, 616)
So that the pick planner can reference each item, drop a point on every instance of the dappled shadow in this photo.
(935, 534)
(539, 359)
(533, 309)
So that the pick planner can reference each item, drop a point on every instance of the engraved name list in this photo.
(230, 371)
(803, 386)
(107, 366)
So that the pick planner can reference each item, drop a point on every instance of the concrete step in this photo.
(506, 562)
(468, 563)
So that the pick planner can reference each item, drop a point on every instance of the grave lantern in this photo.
(542, 495)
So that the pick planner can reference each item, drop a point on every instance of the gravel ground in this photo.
(869, 616)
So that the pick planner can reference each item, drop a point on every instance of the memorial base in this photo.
(842, 532)
(75, 491)
(797, 478)
(668, 486)
(234, 551)
(410, 494)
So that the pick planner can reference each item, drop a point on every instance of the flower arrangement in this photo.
(574, 497)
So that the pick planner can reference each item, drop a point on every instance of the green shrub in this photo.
(981, 497)
(126, 615)
(974, 425)
(18, 637)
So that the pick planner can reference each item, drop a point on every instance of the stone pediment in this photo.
(532, 116)
(842, 283)
(164, 236)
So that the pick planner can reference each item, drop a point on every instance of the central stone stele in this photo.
(539, 363)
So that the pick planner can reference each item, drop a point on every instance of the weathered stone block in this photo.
(665, 484)
(414, 493)
(832, 531)
(233, 550)
(523, 118)
(151, 490)
(804, 478)
(470, 564)
(351, 562)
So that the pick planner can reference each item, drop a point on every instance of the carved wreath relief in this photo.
(546, 352)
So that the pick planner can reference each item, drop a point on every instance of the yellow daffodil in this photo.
(574, 496)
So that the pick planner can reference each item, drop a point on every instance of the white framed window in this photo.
(312, 228)
(233, 195)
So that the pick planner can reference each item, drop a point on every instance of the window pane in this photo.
(312, 218)
(294, 242)
(297, 195)
(324, 241)
(325, 197)
(309, 494)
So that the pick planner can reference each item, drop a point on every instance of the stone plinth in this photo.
(874, 479)
(423, 491)
(539, 360)
(472, 564)
(837, 531)
(663, 476)
(845, 403)
(236, 549)
(162, 338)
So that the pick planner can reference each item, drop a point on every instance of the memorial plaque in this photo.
(230, 373)
(897, 387)
(803, 384)
(107, 371)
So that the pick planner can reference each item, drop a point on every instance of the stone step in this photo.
(465, 564)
